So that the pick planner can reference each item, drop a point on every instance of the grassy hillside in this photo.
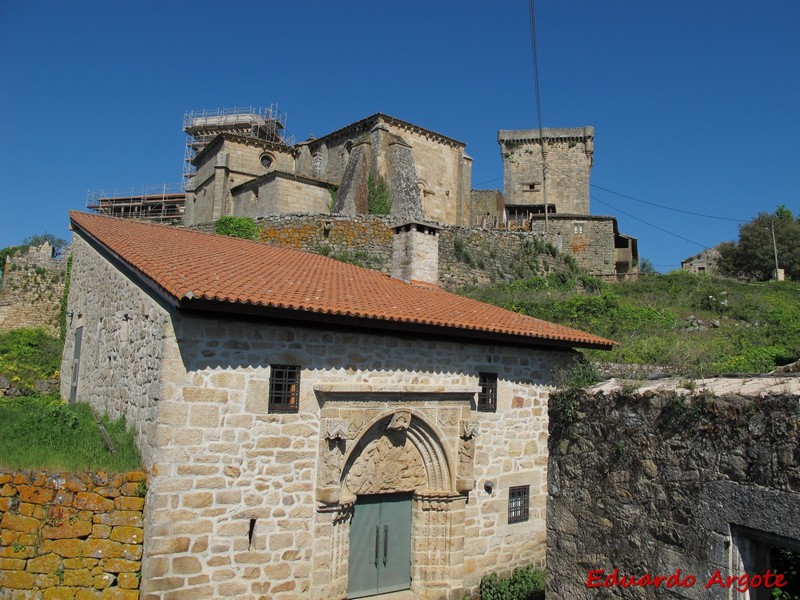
(699, 325)
(40, 431)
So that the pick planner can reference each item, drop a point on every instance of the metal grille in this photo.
(518, 500)
(284, 388)
(487, 397)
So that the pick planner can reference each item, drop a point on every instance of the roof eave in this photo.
(308, 316)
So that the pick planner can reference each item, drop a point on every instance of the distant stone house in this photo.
(313, 429)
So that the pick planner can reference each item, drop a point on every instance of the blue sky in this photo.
(694, 103)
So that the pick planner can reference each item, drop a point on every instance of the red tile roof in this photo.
(192, 269)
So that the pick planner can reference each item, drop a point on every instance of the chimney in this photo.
(415, 252)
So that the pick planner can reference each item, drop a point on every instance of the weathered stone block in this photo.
(128, 535)
(66, 530)
(93, 502)
(19, 523)
(121, 565)
(99, 548)
(44, 564)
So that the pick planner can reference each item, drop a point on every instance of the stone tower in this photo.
(568, 153)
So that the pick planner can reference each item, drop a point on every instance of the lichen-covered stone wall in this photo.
(66, 536)
(648, 484)
(467, 256)
(31, 289)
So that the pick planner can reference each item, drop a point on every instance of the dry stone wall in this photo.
(31, 289)
(652, 483)
(467, 256)
(65, 536)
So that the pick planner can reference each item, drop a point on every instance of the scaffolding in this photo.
(163, 203)
(202, 126)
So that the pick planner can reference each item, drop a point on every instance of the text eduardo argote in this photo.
(598, 578)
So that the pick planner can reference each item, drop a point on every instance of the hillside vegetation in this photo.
(41, 431)
(696, 324)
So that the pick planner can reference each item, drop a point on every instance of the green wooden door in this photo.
(380, 545)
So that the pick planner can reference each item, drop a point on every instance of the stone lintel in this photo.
(368, 388)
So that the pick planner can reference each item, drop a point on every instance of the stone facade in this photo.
(31, 289)
(246, 502)
(279, 193)
(71, 535)
(674, 479)
(227, 162)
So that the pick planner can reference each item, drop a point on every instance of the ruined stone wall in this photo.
(121, 353)
(363, 239)
(653, 483)
(472, 256)
(71, 535)
(31, 289)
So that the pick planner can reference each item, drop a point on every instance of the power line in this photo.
(651, 225)
(678, 210)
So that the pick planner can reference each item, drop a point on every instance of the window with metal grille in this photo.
(518, 500)
(284, 388)
(487, 397)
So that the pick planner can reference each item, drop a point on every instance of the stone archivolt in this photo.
(399, 452)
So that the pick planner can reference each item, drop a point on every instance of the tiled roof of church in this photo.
(192, 269)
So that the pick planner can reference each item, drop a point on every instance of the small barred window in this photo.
(518, 501)
(284, 389)
(487, 397)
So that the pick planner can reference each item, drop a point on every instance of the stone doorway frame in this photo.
(433, 432)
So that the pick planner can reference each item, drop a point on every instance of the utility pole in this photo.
(774, 247)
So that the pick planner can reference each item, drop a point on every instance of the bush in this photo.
(525, 583)
(27, 355)
(240, 227)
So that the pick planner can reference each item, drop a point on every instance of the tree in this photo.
(646, 267)
(753, 256)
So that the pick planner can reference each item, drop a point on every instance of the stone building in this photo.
(426, 174)
(707, 262)
(313, 429)
(546, 189)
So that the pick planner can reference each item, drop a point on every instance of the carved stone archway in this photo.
(400, 450)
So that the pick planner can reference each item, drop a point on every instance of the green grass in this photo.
(43, 432)
(27, 355)
(759, 324)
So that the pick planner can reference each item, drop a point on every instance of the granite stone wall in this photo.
(119, 364)
(652, 483)
(65, 536)
(31, 289)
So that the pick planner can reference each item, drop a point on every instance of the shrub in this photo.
(240, 227)
(525, 583)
